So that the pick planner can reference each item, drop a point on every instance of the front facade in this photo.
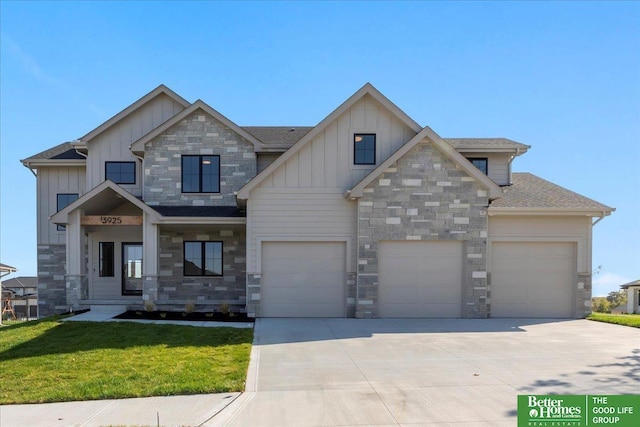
(367, 214)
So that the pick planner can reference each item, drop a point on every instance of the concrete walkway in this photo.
(350, 372)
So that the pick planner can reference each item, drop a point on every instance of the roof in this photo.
(64, 151)
(7, 268)
(530, 191)
(284, 136)
(138, 146)
(433, 138)
(200, 211)
(631, 284)
(486, 144)
(21, 282)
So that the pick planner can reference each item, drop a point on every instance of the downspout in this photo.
(598, 220)
(30, 170)
(511, 161)
(141, 172)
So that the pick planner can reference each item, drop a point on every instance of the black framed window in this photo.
(62, 201)
(200, 174)
(364, 149)
(203, 258)
(481, 163)
(120, 172)
(107, 259)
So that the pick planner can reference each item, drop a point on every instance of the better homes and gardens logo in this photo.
(578, 410)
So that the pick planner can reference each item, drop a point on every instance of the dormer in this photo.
(493, 156)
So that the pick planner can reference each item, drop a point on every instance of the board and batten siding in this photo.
(497, 165)
(545, 229)
(304, 197)
(52, 181)
(327, 160)
(276, 214)
(113, 144)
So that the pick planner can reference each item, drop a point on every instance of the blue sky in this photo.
(562, 77)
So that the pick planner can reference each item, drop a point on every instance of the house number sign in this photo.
(111, 220)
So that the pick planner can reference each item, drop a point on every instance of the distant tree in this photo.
(617, 298)
(600, 305)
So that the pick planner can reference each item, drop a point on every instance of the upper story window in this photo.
(200, 174)
(480, 163)
(62, 201)
(203, 258)
(120, 172)
(364, 149)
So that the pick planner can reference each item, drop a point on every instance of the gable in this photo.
(323, 158)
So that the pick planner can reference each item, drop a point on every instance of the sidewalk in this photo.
(192, 410)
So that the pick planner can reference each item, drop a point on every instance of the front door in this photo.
(132, 269)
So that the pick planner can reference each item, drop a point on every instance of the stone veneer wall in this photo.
(52, 287)
(583, 296)
(198, 134)
(424, 196)
(175, 289)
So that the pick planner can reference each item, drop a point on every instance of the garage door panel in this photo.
(420, 279)
(532, 279)
(303, 279)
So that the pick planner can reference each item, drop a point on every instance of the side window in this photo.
(203, 258)
(62, 201)
(107, 256)
(481, 163)
(120, 172)
(364, 149)
(200, 174)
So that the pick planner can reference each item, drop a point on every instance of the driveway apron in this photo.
(342, 372)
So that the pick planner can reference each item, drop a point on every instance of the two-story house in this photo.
(366, 214)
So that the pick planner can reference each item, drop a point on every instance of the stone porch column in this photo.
(76, 285)
(150, 242)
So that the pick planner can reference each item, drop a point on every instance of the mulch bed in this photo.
(177, 315)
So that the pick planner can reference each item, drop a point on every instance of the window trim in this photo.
(486, 160)
(200, 156)
(203, 257)
(58, 208)
(106, 165)
(375, 148)
(101, 258)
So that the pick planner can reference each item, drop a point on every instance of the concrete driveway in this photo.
(330, 372)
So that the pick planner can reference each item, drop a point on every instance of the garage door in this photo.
(420, 279)
(532, 279)
(303, 279)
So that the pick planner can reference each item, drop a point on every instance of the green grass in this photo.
(53, 361)
(632, 320)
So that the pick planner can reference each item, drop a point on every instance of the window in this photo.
(480, 163)
(200, 174)
(203, 258)
(106, 259)
(62, 201)
(120, 172)
(364, 149)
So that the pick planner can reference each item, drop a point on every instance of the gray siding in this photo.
(50, 182)
(113, 144)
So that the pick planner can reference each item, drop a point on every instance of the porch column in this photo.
(150, 243)
(76, 287)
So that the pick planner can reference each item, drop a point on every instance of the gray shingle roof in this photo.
(530, 191)
(21, 282)
(630, 284)
(200, 211)
(278, 135)
(62, 151)
(485, 143)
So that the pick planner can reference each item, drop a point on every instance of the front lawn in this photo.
(619, 319)
(54, 361)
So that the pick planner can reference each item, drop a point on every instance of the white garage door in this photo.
(420, 279)
(532, 279)
(303, 279)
